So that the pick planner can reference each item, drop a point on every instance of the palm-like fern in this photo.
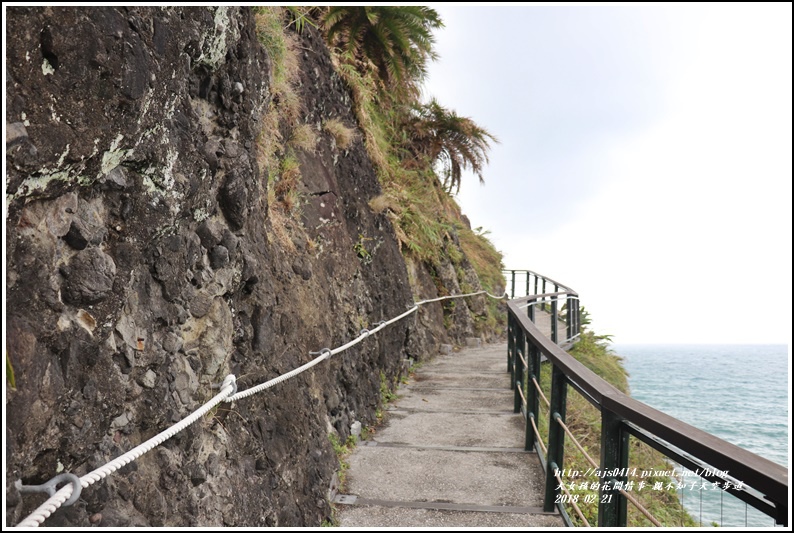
(396, 40)
(457, 143)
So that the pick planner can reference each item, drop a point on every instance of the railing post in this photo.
(612, 506)
(569, 318)
(510, 331)
(533, 401)
(527, 293)
(782, 513)
(554, 458)
(554, 333)
(576, 330)
(521, 371)
(543, 305)
(513, 284)
(536, 283)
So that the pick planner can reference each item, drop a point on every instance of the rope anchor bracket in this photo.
(50, 487)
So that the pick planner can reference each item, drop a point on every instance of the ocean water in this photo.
(739, 393)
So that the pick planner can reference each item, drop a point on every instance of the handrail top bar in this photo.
(523, 299)
(540, 276)
(757, 472)
(575, 371)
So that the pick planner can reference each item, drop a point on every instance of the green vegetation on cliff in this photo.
(419, 150)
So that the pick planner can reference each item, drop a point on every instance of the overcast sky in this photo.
(645, 158)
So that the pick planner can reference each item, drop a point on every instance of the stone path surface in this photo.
(543, 322)
(448, 454)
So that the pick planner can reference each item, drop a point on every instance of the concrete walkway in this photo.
(448, 454)
(543, 323)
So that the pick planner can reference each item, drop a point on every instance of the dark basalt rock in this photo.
(89, 277)
(219, 257)
(144, 266)
(210, 233)
(233, 200)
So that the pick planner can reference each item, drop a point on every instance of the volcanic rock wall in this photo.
(143, 267)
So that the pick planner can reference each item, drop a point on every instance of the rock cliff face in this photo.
(143, 267)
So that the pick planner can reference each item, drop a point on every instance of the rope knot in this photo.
(230, 380)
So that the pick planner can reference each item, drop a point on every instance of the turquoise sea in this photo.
(739, 393)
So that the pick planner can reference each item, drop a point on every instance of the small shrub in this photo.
(342, 450)
(289, 178)
(386, 394)
(361, 251)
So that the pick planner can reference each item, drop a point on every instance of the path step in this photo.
(383, 516)
(448, 454)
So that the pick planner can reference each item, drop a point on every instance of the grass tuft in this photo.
(12, 381)
(304, 137)
(343, 136)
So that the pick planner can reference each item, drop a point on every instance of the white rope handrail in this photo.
(228, 393)
(324, 354)
(461, 296)
(55, 501)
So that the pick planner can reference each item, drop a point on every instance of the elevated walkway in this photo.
(448, 454)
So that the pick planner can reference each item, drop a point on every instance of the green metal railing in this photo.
(533, 284)
(762, 484)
